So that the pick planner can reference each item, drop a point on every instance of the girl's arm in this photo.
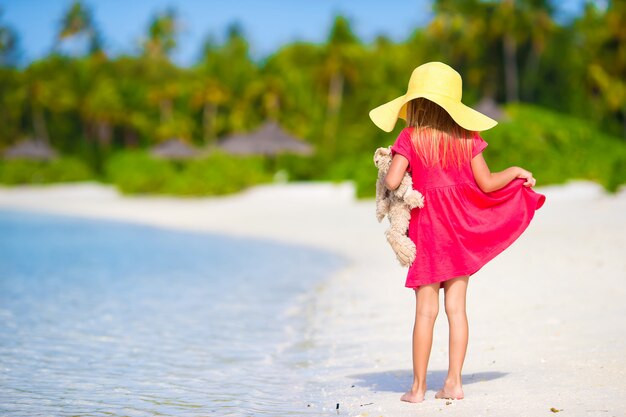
(491, 181)
(398, 167)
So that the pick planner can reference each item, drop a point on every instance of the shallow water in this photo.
(107, 318)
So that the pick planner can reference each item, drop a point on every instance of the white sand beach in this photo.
(547, 317)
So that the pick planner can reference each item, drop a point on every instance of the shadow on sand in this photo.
(399, 380)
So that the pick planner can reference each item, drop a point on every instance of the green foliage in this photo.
(556, 147)
(136, 172)
(66, 169)
(299, 168)
(358, 168)
(218, 174)
(92, 105)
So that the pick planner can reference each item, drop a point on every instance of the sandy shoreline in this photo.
(546, 317)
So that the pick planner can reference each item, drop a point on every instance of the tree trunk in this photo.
(272, 105)
(130, 137)
(624, 120)
(510, 67)
(335, 95)
(209, 117)
(531, 68)
(166, 110)
(104, 132)
(39, 125)
(86, 130)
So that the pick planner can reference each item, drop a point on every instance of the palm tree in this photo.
(230, 63)
(164, 80)
(520, 25)
(13, 102)
(78, 22)
(162, 34)
(8, 45)
(103, 108)
(505, 24)
(267, 94)
(604, 50)
(40, 93)
(135, 121)
(293, 79)
(164, 96)
(208, 94)
(490, 35)
(461, 34)
(541, 28)
(339, 65)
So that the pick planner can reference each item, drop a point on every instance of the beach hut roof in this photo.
(174, 149)
(269, 139)
(33, 149)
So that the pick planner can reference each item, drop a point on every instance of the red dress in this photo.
(460, 228)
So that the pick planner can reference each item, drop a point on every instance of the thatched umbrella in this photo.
(269, 140)
(30, 149)
(174, 149)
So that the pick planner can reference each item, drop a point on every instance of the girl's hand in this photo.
(491, 181)
(528, 176)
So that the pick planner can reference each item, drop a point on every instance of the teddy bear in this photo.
(397, 205)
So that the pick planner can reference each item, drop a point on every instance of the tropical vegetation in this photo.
(561, 84)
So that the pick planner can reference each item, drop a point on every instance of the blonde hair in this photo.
(437, 138)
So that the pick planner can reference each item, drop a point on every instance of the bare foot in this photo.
(413, 396)
(450, 392)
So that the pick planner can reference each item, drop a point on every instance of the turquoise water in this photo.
(106, 318)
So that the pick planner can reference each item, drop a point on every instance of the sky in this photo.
(267, 24)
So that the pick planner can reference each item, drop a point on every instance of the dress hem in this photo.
(495, 252)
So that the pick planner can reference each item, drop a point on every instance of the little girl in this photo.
(470, 214)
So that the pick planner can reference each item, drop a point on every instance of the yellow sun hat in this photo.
(440, 84)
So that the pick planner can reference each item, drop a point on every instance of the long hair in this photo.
(437, 138)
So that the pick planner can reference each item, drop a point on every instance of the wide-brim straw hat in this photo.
(440, 84)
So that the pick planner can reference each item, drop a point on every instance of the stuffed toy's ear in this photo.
(381, 155)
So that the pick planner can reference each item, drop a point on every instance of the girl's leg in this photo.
(426, 309)
(455, 291)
